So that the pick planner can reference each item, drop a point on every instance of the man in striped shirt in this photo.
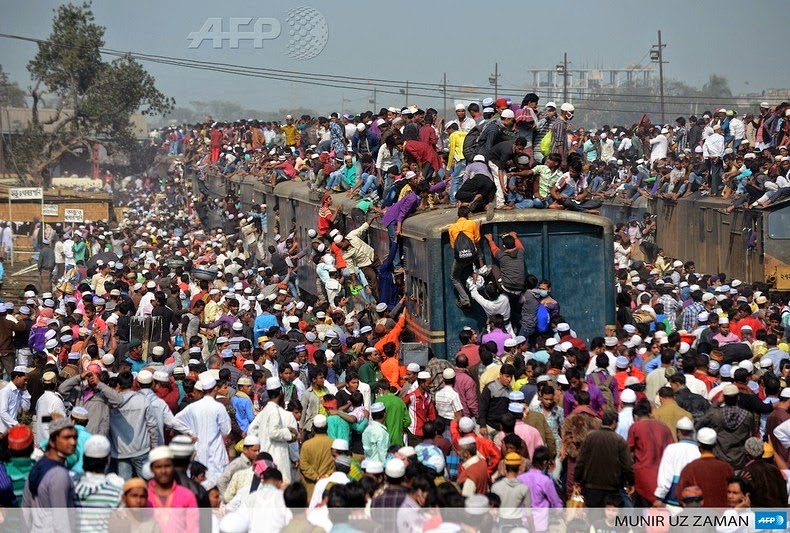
(97, 493)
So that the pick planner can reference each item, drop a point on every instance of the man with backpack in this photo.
(464, 239)
(601, 378)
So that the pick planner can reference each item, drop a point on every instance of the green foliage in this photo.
(10, 93)
(95, 98)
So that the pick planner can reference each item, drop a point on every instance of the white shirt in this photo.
(267, 498)
(11, 399)
(713, 147)
(209, 421)
(697, 386)
(447, 402)
(658, 148)
(68, 251)
(737, 129)
(320, 486)
(607, 150)
(625, 420)
(466, 125)
(146, 304)
(676, 457)
(59, 252)
(48, 404)
(271, 428)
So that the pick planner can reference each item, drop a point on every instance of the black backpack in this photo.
(470, 143)
(464, 249)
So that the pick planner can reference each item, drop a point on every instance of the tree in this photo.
(717, 87)
(95, 98)
(10, 93)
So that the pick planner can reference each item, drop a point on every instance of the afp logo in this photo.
(307, 32)
(770, 520)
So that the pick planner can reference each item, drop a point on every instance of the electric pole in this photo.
(373, 100)
(562, 68)
(494, 80)
(444, 97)
(657, 56)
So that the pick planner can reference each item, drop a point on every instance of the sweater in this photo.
(710, 475)
(604, 461)
(474, 471)
(494, 402)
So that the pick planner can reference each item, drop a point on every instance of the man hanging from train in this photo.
(465, 253)
(359, 255)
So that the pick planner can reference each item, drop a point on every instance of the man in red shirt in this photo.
(423, 154)
(421, 407)
(216, 143)
(744, 317)
(325, 215)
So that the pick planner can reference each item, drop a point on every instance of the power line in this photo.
(392, 87)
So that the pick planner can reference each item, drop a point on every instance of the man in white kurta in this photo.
(675, 458)
(209, 422)
(271, 427)
(49, 405)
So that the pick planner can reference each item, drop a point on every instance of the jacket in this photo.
(7, 329)
(693, 403)
(98, 404)
(577, 426)
(133, 427)
(733, 426)
(494, 402)
(604, 461)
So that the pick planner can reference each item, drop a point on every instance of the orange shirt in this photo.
(392, 371)
(393, 335)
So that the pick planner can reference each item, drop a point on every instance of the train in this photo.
(575, 251)
(752, 245)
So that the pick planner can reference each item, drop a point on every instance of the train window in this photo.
(779, 224)
(418, 290)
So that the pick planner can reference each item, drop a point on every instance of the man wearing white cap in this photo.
(14, 397)
(251, 449)
(49, 406)
(674, 459)
(658, 145)
(96, 489)
(708, 472)
(209, 422)
(272, 429)
(725, 336)
(375, 439)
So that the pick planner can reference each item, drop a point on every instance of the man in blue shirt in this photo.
(265, 321)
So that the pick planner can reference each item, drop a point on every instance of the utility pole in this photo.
(373, 100)
(406, 92)
(562, 68)
(657, 56)
(444, 97)
(494, 80)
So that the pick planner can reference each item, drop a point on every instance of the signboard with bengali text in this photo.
(73, 215)
(25, 193)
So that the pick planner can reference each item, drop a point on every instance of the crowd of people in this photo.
(165, 363)
(501, 155)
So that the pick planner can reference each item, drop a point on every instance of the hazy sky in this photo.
(420, 40)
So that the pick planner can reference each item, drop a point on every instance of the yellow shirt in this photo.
(466, 226)
(290, 132)
(404, 192)
(456, 152)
